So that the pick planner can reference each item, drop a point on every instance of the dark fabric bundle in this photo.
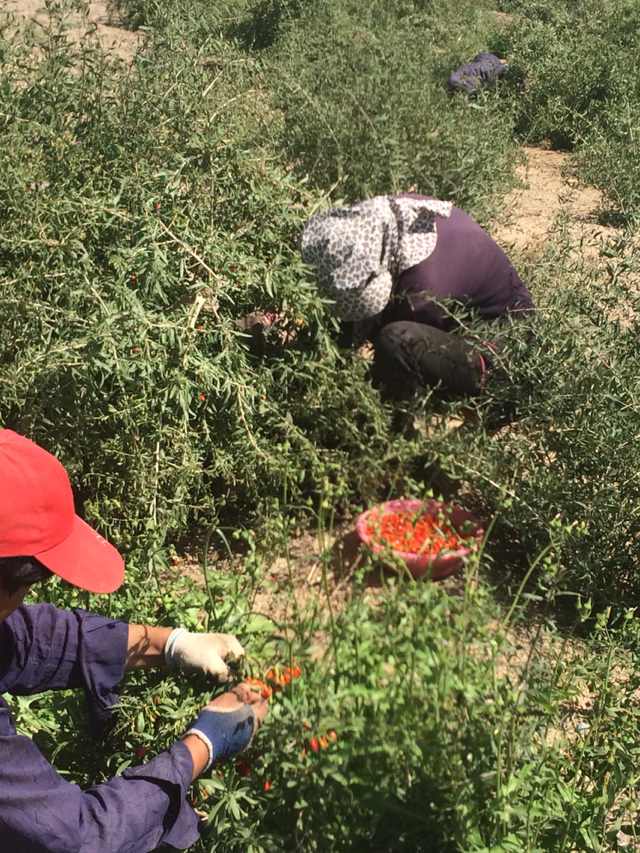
(484, 69)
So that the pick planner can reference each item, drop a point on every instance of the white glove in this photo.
(207, 653)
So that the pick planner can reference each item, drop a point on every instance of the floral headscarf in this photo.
(358, 252)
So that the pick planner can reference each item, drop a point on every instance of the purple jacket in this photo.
(467, 266)
(42, 648)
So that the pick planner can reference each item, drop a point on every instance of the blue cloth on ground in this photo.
(484, 69)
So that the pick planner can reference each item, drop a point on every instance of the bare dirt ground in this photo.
(101, 22)
(547, 195)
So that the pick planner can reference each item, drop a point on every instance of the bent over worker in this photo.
(44, 648)
(398, 267)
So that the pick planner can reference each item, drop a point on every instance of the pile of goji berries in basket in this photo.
(413, 533)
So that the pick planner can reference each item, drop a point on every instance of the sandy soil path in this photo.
(547, 195)
(101, 20)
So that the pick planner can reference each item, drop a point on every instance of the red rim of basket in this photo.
(408, 504)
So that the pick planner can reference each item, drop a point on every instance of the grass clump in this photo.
(575, 87)
(421, 720)
(365, 108)
(140, 223)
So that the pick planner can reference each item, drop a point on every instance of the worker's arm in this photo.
(41, 812)
(211, 654)
(144, 807)
(44, 648)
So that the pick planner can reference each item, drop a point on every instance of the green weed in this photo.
(574, 87)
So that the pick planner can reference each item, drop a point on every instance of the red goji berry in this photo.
(265, 690)
(281, 677)
(243, 767)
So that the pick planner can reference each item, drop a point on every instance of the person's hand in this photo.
(366, 351)
(210, 654)
(258, 323)
(226, 726)
(248, 692)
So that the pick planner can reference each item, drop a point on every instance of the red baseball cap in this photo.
(38, 519)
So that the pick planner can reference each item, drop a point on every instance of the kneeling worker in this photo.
(398, 267)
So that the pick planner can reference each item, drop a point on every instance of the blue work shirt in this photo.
(43, 648)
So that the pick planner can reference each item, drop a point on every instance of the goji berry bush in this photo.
(147, 210)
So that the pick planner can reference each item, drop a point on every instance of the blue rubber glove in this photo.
(224, 733)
